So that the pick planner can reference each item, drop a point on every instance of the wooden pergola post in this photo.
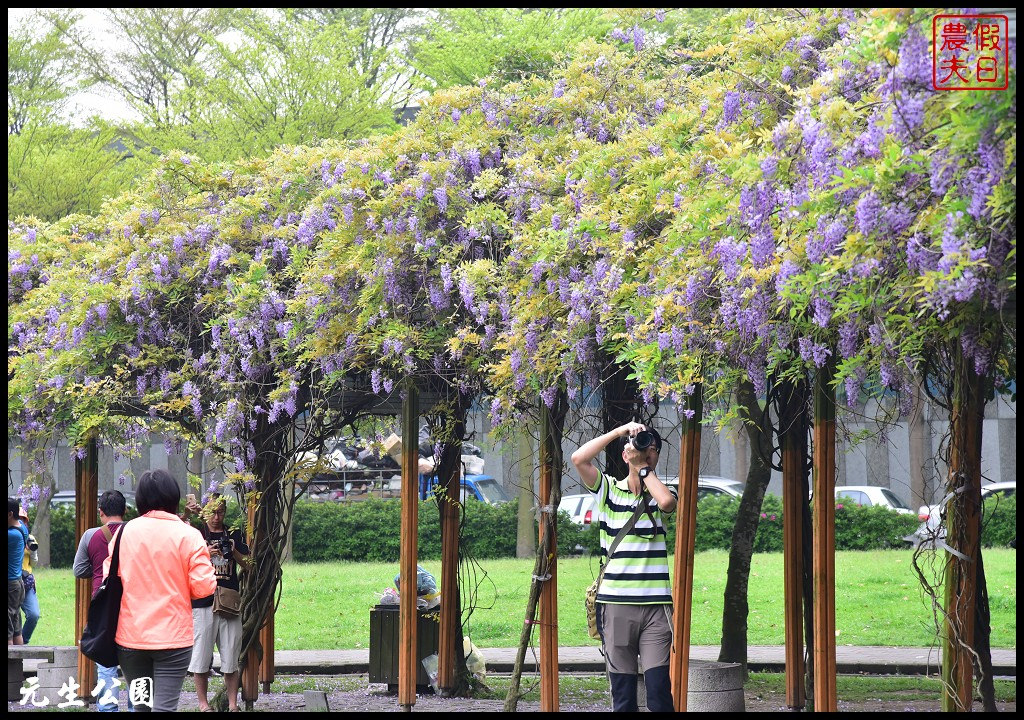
(249, 666)
(451, 503)
(267, 669)
(86, 491)
(407, 613)
(686, 533)
(549, 587)
(793, 425)
(824, 544)
(963, 525)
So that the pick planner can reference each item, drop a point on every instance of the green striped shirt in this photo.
(638, 574)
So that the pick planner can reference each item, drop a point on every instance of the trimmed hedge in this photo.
(999, 521)
(857, 528)
(369, 530)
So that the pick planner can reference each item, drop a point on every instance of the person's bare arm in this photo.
(584, 457)
(661, 494)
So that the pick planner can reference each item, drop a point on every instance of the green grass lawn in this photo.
(326, 605)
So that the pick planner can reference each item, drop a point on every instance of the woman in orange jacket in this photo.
(164, 565)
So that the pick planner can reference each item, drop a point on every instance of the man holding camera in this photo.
(634, 602)
(213, 618)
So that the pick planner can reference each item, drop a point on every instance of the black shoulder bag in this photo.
(98, 641)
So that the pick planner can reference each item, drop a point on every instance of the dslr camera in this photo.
(225, 547)
(642, 440)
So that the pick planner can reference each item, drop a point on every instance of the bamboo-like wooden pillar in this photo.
(250, 665)
(407, 613)
(86, 491)
(549, 588)
(793, 422)
(267, 670)
(451, 502)
(963, 525)
(824, 544)
(686, 534)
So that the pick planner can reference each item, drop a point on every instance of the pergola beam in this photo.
(686, 534)
(825, 699)
(86, 491)
(549, 586)
(794, 427)
(407, 613)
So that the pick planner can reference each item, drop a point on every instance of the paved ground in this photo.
(342, 675)
(760, 658)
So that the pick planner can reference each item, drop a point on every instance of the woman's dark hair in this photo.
(13, 505)
(112, 503)
(158, 490)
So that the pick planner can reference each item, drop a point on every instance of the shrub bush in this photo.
(871, 527)
(63, 543)
(62, 536)
(999, 521)
(370, 529)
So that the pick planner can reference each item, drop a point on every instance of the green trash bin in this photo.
(384, 645)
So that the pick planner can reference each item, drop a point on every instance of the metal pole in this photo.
(686, 533)
(407, 613)
(549, 588)
(793, 422)
(824, 543)
(86, 491)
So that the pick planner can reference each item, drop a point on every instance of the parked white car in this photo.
(931, 527)
(581, 507)
(868, 495)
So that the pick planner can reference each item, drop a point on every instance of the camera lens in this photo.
(643, 440)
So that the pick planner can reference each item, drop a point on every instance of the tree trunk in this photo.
(983, 625)
(919, 442)
(546, 550)
(41, 528)
(526, 536)
(734, 615)
(451, 512)
(620, 406)
(967, 410)
(808, 549)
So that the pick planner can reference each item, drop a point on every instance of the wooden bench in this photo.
(59, 664)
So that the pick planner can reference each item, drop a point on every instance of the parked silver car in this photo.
(581, 507)
(868, 495)
(931, 528)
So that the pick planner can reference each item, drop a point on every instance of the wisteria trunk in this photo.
(546, 550)
(734, 614)
(963, 558)
(620, 405)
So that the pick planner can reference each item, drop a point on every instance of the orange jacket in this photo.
(164, 565)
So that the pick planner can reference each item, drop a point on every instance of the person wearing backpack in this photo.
(634, 600)
(92, 551)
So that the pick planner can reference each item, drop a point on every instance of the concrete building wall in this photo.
(878, 460)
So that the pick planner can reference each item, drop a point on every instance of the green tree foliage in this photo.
(463, 45)
(382, 38)
(281, 83)
(54, 170)
(165, 47)
(42, 73)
